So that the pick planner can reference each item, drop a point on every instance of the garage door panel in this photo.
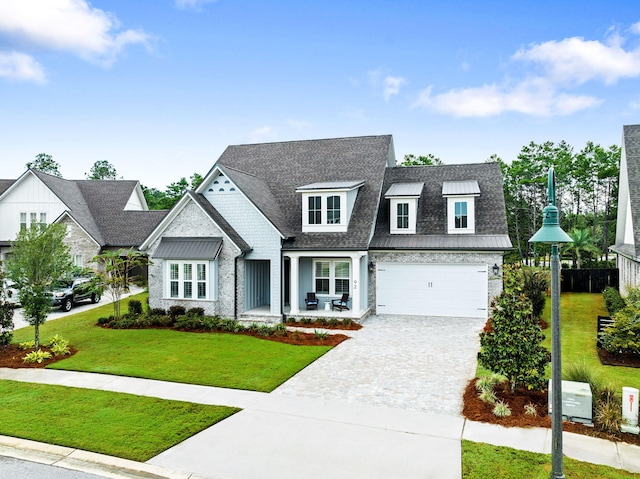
(432, 289)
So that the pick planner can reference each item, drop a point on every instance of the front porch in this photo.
(329, 275)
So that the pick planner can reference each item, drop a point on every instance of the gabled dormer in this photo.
(327, 207)
(403, 207)
(461, 210)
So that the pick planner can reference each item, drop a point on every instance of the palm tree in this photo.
(582, 243)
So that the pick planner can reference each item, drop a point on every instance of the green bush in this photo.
(321, 321)
(265, 330)
(513, 345)
(190, 323)
(280, 330)
(135, 307)
(195, 312)
(305, 320)
(613, 301)
(104, 320)
(175, 311)
(347, 321)
(535, 287)
(27, 344)
(157, 312)
(320, 334)
(333, 322)
(623, 336)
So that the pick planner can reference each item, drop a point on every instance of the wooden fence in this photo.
(589, 280)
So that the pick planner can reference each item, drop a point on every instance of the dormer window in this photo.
(461, 197)
(327, 207)
(403, 206)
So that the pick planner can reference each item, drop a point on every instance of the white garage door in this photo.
(432, 289)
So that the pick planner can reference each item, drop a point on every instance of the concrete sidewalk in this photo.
(286, 437)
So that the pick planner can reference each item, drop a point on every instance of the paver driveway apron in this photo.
(404, 362)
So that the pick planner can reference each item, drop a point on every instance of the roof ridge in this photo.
(313, 140)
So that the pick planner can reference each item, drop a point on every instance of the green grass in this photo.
(481, 461)
(211, 359)
(578, 330)
(122, 425)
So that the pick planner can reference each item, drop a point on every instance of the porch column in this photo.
(355, 300)
(293, 284)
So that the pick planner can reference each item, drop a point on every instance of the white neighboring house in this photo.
(271, 223)
(99, 214)
(627, 245)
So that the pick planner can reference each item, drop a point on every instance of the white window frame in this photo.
(451, 214)
(30, 218)
(413, 214)
(332, 276)
(176, 273)
(78, 260)
(324, 225)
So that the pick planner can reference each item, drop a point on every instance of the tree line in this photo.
(587, 195)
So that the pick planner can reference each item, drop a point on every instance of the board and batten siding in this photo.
(30, 196)
(259, 234)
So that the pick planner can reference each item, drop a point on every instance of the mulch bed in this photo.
(316, 325)
(11, 356)
(476, 410)
(628, 360)
(298, 338)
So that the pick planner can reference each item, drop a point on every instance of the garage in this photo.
(432, 289)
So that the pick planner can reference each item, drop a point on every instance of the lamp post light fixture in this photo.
(496, 269)
(551, 233)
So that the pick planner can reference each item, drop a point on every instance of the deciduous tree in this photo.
(39, 257)
(46, 164)
(102, 170)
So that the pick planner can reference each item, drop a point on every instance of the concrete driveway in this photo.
(414, 363)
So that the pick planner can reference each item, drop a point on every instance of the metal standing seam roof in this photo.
(332, 185)
(404, 189)
(469, 187)
(188, 248)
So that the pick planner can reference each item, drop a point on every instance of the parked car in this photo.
(12, 293)
(66, 293)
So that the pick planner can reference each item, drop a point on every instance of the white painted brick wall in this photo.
(192, 221)
(495, 282)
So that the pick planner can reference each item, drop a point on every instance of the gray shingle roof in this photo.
(98, 207)
(5, 184)
(270, 173)
(631, 140)
(220, 221)
(431, 226)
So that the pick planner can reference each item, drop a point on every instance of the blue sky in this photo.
(160, 88)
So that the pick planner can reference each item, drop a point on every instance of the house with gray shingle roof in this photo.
(627, 245)
(332, 217)
(99, 214)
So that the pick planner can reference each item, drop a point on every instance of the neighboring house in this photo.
(272, 222)
(627, 245)
(99, 214)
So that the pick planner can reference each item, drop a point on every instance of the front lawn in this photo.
(211, 359)
(578, 329)
(122, 425)
(481, 461)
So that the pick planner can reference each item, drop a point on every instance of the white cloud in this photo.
(575, 60)
(18, 66)
(298, 124)
(392, 86)
(68, 25)
(192, 4)
(535, 97)
(635, 28)
(559, 67)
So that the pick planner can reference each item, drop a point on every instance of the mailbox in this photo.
(577, 402)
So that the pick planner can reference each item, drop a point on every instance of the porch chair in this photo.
(341, 303)
(312, 301)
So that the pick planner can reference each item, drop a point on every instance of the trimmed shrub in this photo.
(535, 287)
(157, 312)
(189, 323)
(175, 311)
(613, 301)
(135, 307)
(195, 312)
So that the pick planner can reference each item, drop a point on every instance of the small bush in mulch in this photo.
(323, 323)
(11, 356)
(475, 409)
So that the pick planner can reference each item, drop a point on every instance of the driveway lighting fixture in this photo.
(552, 234)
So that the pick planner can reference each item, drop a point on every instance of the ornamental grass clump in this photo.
(501, 409)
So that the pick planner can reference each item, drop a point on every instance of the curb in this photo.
(85, 461)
